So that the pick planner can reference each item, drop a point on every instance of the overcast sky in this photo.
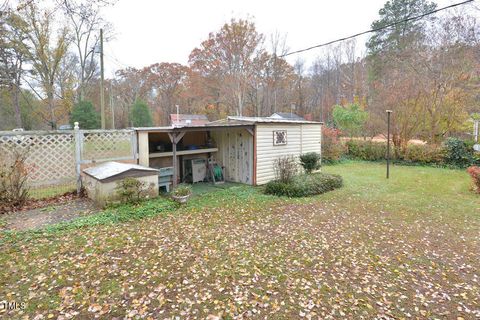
(149, 31)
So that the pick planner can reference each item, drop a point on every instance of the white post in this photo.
(78, 156)
(476, 125)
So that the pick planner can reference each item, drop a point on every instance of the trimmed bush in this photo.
(366, 150)
(453, 153)
(422, 154)
(305, 185)
(310, 161)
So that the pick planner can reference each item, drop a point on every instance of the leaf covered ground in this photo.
(403, 248)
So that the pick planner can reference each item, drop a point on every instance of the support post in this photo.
(175, 138)
(175, 165)
(388, 143)
(78, 156)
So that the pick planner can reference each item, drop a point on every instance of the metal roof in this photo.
(231, 121)
(182, 116)
(286, 115)
(111, 169)
(270, 120)
(220, 124)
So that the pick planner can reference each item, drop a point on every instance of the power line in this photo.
(113, 59)
(378, 29)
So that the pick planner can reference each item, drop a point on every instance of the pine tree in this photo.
(140, 115)
(85, 114)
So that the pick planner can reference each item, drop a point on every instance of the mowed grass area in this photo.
(403, 248)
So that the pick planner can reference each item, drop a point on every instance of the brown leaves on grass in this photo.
(250, 260)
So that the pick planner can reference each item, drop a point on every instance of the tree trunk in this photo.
(16, 106)
(51, 107)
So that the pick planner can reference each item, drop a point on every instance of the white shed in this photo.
(273, 138)
(245, 147)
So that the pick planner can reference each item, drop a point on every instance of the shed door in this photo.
(235, 152)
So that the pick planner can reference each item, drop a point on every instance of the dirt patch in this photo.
(50, 214)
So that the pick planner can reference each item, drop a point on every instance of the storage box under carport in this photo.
(100, 182)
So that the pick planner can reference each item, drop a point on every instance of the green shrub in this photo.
(310, 161)
(457, 153)
(453, 153)
(305, 185)
(422, 154)
(130, 190)
(366, 150)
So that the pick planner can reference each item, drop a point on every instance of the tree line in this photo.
(426, 70)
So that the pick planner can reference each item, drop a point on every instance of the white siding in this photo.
(235, 152)
(311, 138)
(301, 138)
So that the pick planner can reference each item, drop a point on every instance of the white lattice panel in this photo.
(106, 145)
(51, 157)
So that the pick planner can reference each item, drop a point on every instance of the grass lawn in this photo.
(403, 248)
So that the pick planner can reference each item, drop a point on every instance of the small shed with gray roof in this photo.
(101, 181)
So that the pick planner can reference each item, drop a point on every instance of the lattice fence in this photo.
(111, 144)
(52, 155)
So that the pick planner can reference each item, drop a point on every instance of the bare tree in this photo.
(85, 22)
(44, 54)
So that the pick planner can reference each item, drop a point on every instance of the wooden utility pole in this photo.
(102, 95)
(111, 105)
(389, 112)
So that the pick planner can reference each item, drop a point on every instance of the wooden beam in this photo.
(250, 131)
(171, 136)
(179, 136)
(175, 137)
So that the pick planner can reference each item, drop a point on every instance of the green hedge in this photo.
(366, 150)
(452, 153)
(305, 185)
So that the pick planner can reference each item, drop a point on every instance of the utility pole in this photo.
(102, 96)
(388, 143)
(111, 106)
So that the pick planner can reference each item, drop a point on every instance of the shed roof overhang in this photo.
(209, 127)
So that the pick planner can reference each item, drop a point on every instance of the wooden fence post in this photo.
(78, 156)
